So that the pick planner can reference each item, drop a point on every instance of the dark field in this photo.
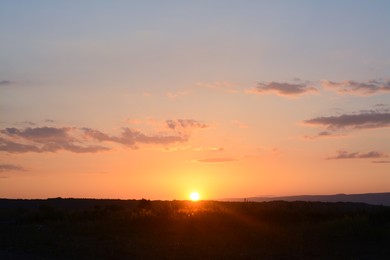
(119, 229)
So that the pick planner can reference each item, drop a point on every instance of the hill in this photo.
(369, 198)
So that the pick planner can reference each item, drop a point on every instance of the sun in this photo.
(194, 196)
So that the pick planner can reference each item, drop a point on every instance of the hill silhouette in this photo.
(369, 198)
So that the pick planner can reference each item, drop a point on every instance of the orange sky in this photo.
(230, 99)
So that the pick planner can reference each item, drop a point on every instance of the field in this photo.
(143, 229)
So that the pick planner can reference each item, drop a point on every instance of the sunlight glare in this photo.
(194, 196)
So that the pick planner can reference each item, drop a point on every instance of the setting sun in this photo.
(194, 196)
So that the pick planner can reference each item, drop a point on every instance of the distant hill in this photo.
(369, 198)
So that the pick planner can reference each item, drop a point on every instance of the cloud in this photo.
(39, 134)
(380, 161)
(25, 123)
(371, 119)
(357, 155)
(88, 140)
(5, 82)
(216, 160)
(44, 139)
(11, 167)
(13, 147)
(77, 148)
(300, 87)
(130, 137)
(323, 134)
(283, 89)
(185, 124)
(357, 88)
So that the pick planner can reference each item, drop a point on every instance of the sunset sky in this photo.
(156, 99)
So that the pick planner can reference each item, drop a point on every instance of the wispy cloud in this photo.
(283, 89)
(300, 87)
(357, 88)
(14, 147)
(216, 160)
(11, 167)
(25, 123)
(323, 134)
(88, 140)
(365, 119)
(5, 82)
(132, 138)
(39, 134)
(186, 124)
(382, 161)
(341, 154)
(44, 139)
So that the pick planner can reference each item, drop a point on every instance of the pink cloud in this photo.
(372, 119)
(357, 88)
(341, 154)
(283, 89)
(87, 140)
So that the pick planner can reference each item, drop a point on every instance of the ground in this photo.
(143, 229)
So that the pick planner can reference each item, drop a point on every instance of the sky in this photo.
(156, 99)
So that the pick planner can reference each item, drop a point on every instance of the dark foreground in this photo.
(117, 229)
